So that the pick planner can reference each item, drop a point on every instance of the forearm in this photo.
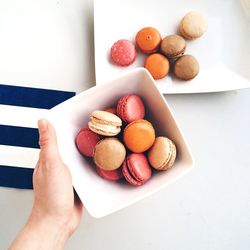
(40, 235)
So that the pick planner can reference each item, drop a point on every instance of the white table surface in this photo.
(207, 209)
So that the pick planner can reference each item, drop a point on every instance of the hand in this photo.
(57, 210)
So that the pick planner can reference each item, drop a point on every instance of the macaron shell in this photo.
(104, 129)
(105, 117)
(173, 46)
(138, 167)
(86, 141)
(158, 65)
(109, 154)
(130, 108)
(186, 67)
(113, 175)
(162, 154)
(148, 39)
(123, 52)
(193, 25)
(139, 136)
(129, 178)
(183, 33)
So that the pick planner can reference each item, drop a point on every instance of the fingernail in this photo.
(42, 125)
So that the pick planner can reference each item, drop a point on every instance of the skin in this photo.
(57, 210)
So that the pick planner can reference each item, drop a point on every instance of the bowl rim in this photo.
(90, 91)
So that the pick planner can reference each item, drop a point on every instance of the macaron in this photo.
(109, 154)
(186, 67)
(111, 110)
(104, 123)
(162, 154)
(136, 169)
(130, 108)
(173, 46)
(139, 136)
(193, 25)
(112, 175)
(158, 65)
(148, 40)
(86, 141)
(123, 52)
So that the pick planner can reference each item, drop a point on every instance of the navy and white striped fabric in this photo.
(20, 108)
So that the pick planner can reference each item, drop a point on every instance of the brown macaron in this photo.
(186, 67)
(173, 46)
(109, 154)
(162, 154)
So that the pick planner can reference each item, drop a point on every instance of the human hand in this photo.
(57, 210)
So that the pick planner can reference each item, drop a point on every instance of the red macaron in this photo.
(130, 108)
(112, 175)
(123, 52)
(136, 169)
(86, 141)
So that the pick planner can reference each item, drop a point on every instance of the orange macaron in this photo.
(139, 136)
(158, 65)
(148, 40)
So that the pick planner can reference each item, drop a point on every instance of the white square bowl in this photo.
(102, 197)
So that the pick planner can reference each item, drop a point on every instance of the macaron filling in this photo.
(104, 127)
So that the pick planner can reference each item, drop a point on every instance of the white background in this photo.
(207, 209)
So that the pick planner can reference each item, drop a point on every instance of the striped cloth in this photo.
(20, 108)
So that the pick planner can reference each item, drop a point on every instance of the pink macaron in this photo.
(112, 175)
(123, 52)
(136, 169)
(86, 141)
(130, 108)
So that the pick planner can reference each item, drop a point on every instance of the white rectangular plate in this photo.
(222, 51)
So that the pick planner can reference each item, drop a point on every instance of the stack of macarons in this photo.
(122, 143)
(166, 52)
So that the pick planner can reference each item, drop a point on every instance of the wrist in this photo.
(41, 234)
(52, 233)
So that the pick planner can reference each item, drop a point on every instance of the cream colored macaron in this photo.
(105, 123)
(162, 154)
(193, 25)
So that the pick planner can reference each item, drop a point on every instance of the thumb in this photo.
(47, 141)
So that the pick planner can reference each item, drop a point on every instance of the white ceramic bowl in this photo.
(102, 197)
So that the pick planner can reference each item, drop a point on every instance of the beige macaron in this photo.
(193, 25)
(109, 154)
(162, 154)
(105, 123)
